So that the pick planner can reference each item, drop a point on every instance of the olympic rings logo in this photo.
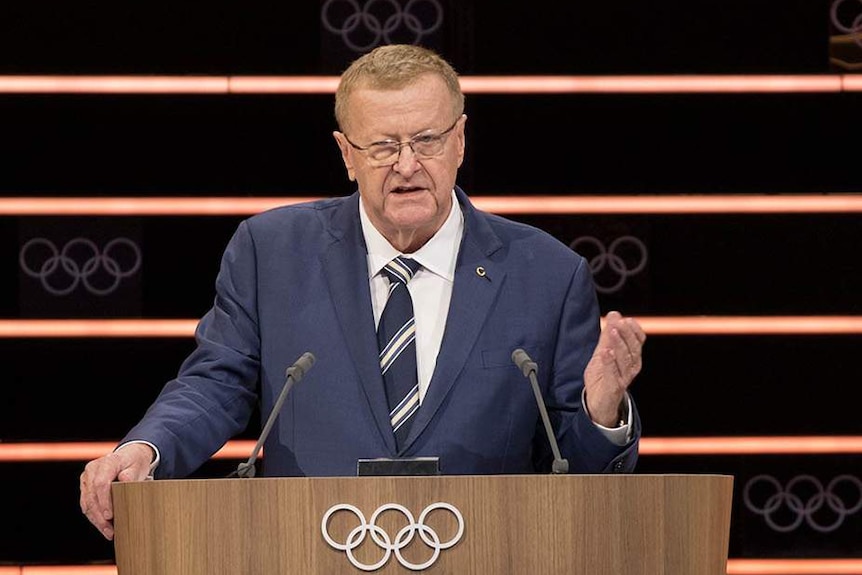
(78, 262)
(792, 498)
(428, 535)
(365, 21)
(601, 258)
(855, 27)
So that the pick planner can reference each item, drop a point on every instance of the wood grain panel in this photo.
(632, 524)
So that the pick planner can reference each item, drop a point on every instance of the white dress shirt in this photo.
(430, 289)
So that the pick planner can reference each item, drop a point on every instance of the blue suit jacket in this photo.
(295, 279)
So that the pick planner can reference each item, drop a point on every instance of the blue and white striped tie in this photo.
(396, 338)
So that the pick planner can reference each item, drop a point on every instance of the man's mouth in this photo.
(406, 189)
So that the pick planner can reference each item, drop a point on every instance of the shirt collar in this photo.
(438, 255)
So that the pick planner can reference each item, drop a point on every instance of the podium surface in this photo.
(496, 525)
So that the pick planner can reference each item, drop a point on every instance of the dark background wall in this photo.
(280, 145)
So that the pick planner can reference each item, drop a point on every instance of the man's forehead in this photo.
(369, 102)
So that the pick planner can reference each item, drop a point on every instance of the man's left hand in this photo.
(615, 363)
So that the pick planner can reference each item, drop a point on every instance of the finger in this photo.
(632, 332)
(606, 340)
(89, 488)
(612, 319)
(622, 361)
(636, 329)
(610, 347)
(633, 349)
(613, 315)
(628, 360)
(93, 491)
(106, 475)
(614, 322)
(83, 486)
(629, 327)
(611, 362)
(633, 337)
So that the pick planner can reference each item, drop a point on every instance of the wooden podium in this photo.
(459, 525)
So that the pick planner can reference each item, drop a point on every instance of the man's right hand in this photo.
(129, 463)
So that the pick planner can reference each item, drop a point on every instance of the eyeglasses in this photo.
(425, 145)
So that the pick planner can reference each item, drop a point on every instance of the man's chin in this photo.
(410, 205)
(419, 218)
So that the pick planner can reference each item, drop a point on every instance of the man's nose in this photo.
(407, 162)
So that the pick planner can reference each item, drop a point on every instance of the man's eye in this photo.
(425, 139)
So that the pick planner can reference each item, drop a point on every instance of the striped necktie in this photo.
(396, 338)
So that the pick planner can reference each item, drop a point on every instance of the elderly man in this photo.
(412, 301)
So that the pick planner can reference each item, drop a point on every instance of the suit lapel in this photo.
(472, 297)
(346, 269)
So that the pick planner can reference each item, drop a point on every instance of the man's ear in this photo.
(345, 148)
(462, 140)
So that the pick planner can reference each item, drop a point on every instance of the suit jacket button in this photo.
(618, 466)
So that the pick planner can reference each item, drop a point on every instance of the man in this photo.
(317, 277)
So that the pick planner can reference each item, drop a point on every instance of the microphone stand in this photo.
(294, 374)
(528, 367)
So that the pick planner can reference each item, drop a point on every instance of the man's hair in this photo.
(394, 67)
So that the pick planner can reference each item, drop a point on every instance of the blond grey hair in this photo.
(394, 67)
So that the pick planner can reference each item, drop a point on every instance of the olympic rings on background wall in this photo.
(379, 20)
(60, 271)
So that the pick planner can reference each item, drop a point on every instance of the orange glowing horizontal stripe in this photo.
(724, 204)
(794, 566)
(714, 325)
(470, 84)
(734, 567)
(151, 206)
(852, 82)
(648, 84)
(750, 445)
(108, 328)
(752, 325)
(283, 84)
(241, 449)
(85, 451)
(113, 85)
(230, 206)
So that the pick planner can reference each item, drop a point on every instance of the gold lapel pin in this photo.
(480, 271)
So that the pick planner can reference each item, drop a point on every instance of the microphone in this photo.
(294, 373)
(528, 367)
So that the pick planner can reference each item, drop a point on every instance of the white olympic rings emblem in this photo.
(855, 27)
(608, 257)
(66, 262)
(804, 511)
(384, 541)
(364, 20)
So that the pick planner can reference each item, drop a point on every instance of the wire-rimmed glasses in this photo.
(427, 144)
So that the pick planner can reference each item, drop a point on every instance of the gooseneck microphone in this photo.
(528, 367)
(294, 373)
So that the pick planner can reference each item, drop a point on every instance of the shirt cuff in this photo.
(155, 462)
(621, 434)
